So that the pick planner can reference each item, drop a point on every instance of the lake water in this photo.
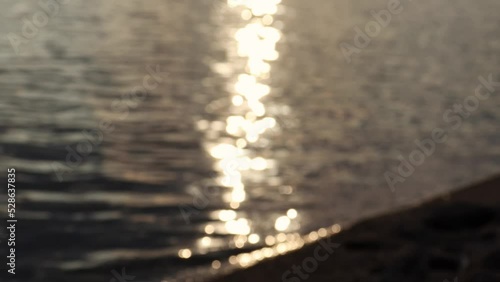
(253, 132)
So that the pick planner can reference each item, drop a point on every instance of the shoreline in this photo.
(453, 237)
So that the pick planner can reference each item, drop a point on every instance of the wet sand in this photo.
(454, 237)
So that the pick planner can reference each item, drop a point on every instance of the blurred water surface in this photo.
(256, 130)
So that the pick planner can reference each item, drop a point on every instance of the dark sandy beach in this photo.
(454, 238)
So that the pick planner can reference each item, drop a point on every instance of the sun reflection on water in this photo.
(236, 159)
(237, 141)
